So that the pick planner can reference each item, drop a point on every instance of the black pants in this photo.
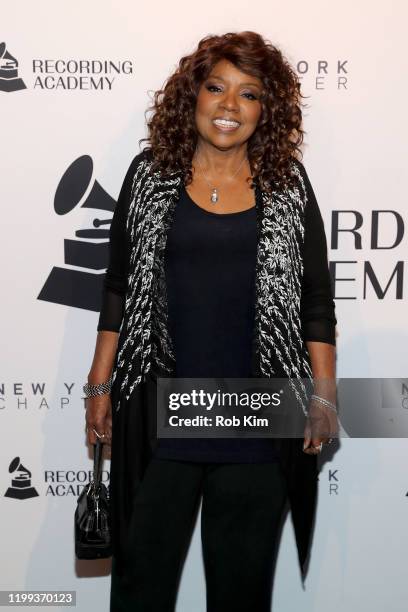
(242, 507)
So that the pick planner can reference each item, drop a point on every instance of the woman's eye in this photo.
(213, 88)
(250, 95)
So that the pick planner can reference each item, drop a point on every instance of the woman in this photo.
(218, 267)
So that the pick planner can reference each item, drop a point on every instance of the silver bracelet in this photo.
(324, 401)
(100, 389)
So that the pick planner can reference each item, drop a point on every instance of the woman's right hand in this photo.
(99, 418)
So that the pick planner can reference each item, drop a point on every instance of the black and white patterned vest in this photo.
(144, 343)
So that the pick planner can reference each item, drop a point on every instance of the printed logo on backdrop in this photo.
(20, 487)
(78, 74)
(333, 481)
(9, 79)
(80, 284)
(322, 74)
(376, 231)
(39, 396)
(58, 483)
(70, 483)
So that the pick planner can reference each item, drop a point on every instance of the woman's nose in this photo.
(229, 101)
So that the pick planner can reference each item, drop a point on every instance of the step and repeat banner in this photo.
(75, 81)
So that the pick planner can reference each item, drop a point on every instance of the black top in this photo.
(210, 276)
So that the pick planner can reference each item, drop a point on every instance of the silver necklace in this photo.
(214, 191)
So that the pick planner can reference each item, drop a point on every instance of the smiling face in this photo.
(228, 106)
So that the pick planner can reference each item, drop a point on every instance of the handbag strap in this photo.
(97, 471)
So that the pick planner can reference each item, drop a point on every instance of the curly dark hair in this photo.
(172, 134)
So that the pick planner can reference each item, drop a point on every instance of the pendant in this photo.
(214, 196)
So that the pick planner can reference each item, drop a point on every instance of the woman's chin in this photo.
(224, 142)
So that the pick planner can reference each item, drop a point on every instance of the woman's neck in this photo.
(217, 162)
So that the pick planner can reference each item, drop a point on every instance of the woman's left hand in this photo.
(321, 425)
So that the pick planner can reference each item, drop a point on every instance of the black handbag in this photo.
(92, 515)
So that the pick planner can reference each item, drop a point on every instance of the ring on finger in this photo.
(98, 434)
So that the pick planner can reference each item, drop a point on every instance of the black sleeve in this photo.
(317, 308)
(115, 281)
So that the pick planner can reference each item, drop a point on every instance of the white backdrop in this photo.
(353, 61)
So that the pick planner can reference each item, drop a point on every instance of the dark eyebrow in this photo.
(216, 76)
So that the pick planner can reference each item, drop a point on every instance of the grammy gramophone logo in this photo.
(80, 285)
(9, 79)
(21, 481)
